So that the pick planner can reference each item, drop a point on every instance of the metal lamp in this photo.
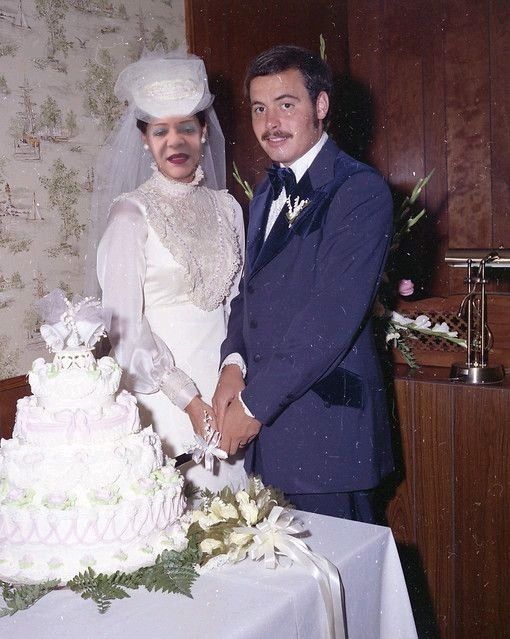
(473, 308)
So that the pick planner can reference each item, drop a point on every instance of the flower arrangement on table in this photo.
(230, 526)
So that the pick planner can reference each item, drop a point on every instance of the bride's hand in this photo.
(197, 410)
(230, 384)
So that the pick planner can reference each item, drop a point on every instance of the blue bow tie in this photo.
(281, 176)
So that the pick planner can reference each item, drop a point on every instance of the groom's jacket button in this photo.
(250, 289)
(257, 357)
(253, 324)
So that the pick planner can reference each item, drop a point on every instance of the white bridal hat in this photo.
(164, 87)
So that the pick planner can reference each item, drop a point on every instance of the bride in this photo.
(170, 258)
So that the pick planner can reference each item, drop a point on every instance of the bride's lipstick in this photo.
(178, 158)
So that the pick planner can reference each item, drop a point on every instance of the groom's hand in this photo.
(238, 428)
(230, 384)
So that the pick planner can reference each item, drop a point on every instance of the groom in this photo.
(300, 384)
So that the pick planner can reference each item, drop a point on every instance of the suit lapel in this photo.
(320, 174)
(281, 233)
(259, 208)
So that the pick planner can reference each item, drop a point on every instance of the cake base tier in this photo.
(36, 563)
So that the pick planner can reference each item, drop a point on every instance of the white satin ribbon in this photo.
(80, 322)
(274, 536)
(78, 429)
(207, 449)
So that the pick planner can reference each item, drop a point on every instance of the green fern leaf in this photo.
(173, 572)
(22, 596)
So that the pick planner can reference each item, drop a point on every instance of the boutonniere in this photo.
(293, 210)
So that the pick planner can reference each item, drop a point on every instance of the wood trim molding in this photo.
(13, 382)
(11, 390)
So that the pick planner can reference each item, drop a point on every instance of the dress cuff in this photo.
(235, 358)
(179, 388)
(245, 408)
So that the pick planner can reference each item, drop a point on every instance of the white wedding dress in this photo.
(168, 263)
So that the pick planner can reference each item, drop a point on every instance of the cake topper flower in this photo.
(69, 324)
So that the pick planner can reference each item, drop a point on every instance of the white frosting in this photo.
(80, 484)
(74, 380)
(37, 425)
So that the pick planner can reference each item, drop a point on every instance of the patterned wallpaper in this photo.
(58, 63)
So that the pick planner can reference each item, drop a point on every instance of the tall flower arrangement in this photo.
(399, 330)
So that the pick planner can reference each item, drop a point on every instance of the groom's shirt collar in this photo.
(299, 167)
(302, 164)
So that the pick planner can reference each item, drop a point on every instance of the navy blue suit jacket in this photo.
(302, 323)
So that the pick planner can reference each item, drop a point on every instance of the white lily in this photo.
(222, 511)
(401, 320)
(443, 328)
(208, 546)
(248, 507)
(422, 321)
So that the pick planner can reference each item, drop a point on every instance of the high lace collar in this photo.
(174, 187)
(197, 229)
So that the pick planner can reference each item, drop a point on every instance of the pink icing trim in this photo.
(117, 524)
(78, 426)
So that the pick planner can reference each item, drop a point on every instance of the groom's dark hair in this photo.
(316, 73)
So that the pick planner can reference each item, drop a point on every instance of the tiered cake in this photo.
(80, 483)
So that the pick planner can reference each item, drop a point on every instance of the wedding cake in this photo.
(81, 484)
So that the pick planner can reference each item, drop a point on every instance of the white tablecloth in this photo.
(247, 601)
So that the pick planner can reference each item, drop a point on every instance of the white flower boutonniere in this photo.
(293, 210)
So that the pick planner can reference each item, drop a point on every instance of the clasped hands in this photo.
(236, 427)
(227, 413)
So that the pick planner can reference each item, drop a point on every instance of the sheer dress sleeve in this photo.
(237, 222)
(147, 362)
(238, 225)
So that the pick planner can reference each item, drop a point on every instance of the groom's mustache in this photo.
(275, 134)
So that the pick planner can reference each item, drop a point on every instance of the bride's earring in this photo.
(146, 146)
(203, 139)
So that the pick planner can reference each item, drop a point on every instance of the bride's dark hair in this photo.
(141, 125)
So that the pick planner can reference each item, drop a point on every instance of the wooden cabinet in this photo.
(450, 513)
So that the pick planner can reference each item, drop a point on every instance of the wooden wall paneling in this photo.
(367, 70)
(500, 120)
(212, 36)
(433, 230)
(482, 516)
(468, 125)
(433, 455)
(401, 510)
(404, 90)
(405, 131)
(10, 391)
